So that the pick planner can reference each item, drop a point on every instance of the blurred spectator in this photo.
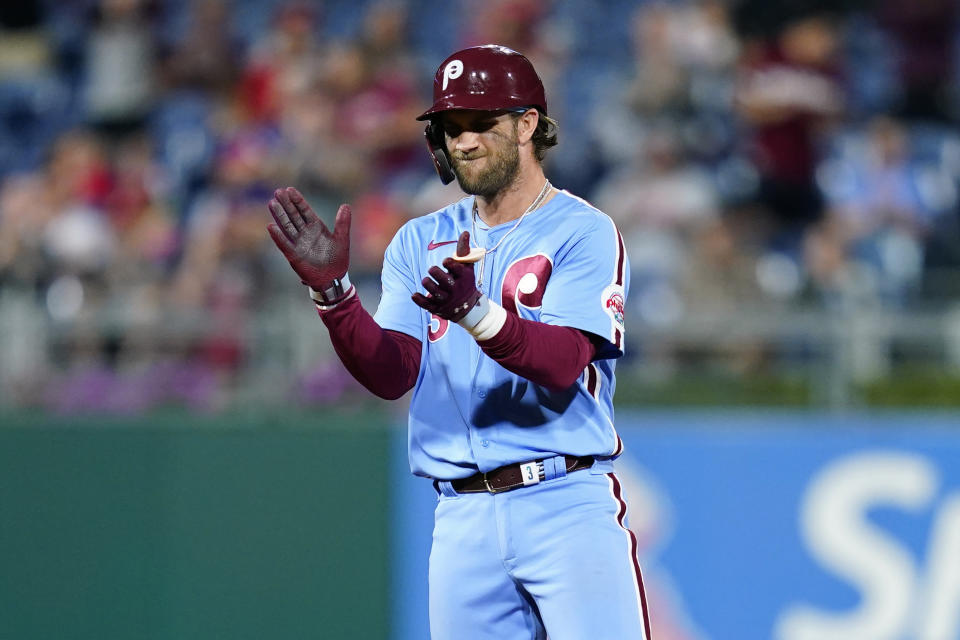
(660, 202)
(346, 110)
(720, 272)
(512, 23)
(147, 240)
(78, 238)
(788, 89)
(384, 38)
(391, 99)
(681, 78)
(206, 57)
(120, 84)
(883, 204)
(24, 47)
(374, 111)
(283, 60)
(656, 190)
(24, 211)
(924, 37)
(34, 101)
(221, 260)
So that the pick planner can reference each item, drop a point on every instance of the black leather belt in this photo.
(512, 476)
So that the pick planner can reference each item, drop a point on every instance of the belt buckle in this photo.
(486, 483)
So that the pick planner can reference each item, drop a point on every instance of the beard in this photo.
(504, 165)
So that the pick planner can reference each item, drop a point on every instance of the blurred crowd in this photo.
(753, 154)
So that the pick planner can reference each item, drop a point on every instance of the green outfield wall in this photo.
(179, 528)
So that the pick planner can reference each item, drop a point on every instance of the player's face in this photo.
(483, 150)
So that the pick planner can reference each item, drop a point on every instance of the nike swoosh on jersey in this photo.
(433, 245)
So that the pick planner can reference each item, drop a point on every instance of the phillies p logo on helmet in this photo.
(452, 71)
(488, 78)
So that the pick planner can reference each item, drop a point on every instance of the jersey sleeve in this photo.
(396, 310)
(588, 287)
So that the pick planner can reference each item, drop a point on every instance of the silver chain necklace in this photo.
(473, 226)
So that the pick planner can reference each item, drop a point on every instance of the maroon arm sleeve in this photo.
(385, 362)
(548, 355)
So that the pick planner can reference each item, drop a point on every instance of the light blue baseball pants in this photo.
(552, 559)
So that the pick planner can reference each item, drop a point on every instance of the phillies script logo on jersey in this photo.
(614, 306)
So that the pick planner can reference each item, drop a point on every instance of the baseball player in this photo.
(504, 313)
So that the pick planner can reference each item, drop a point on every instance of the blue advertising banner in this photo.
(756, 525)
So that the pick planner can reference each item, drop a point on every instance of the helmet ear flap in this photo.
(437, 145)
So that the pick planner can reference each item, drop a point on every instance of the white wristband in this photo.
(475, 315)
(322, 306)
(485, 320)
(340, 286)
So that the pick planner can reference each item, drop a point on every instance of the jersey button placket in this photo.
(476, 435)
(483, 441)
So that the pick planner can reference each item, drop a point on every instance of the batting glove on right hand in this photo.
(451, 294)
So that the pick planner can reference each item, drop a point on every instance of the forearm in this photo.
(385, 362)
(547, 355)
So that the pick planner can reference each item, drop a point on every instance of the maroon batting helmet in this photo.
(486, 78)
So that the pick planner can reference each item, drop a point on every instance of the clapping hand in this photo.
(452, 291)
(318, 255)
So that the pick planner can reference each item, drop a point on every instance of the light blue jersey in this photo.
(556, 557)
(563, 265)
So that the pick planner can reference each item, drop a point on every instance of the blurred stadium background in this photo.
(177, 430)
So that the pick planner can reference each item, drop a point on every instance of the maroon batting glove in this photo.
(318, 255)
(451, 294)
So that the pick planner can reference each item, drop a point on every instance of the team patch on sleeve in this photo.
(613, 300)
(614, 296)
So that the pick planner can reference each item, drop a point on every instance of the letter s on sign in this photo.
(939, 614)
(839, 535)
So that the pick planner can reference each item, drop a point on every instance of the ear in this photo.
(526, 125)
